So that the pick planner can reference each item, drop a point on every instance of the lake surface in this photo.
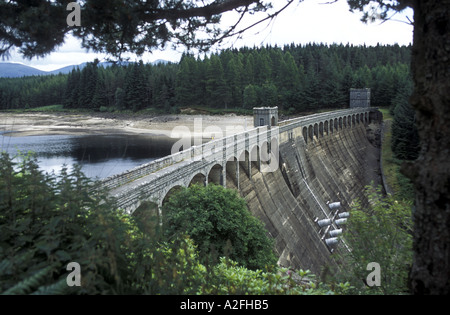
(100, 156)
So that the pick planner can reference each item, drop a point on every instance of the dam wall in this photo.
(316, 169)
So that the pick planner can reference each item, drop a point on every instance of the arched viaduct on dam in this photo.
(289, 172)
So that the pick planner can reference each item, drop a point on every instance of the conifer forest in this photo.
(294, 78)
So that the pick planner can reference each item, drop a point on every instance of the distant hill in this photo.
(17, 70)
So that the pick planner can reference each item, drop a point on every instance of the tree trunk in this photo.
(430, 273)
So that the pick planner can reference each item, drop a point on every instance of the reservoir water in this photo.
(100, 156)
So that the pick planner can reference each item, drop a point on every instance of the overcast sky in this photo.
(311, 21)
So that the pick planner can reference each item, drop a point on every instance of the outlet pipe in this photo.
(336, 232)
(334, 205)
(340, 222)
(331, 241)
(324, 222)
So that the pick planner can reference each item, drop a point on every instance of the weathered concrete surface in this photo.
(334, 167)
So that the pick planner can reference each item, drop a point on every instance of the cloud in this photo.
(313, 21)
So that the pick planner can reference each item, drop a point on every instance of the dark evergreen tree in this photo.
(186, 82)
(218, 93)
(250, 99)
(135, 87)
(119, 98)
(289, 82)
(405, 137)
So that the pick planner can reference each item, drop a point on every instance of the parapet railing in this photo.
(203, 150)
(286, 125)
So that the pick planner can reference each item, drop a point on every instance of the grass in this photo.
(47, 109)
(386, 113)
(197, 110)
(390, 168)
(397, 182)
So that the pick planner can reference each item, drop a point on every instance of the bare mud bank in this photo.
(31, 124)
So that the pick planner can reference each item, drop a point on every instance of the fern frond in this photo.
(8, 264)
(58, 288)
(29, 284)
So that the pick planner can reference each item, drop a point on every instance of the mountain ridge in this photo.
(17, 70)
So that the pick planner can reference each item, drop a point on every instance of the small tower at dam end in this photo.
(359, 98)
(265, 116)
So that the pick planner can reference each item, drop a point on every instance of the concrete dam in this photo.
(300, 177)
(329, 167)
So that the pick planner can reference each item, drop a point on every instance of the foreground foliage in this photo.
(381, 234)
(48, 221)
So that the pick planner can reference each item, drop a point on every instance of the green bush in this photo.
(218, 221)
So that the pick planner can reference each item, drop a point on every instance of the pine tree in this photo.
(405, 137)
(250, 97)
(233, 81)
(88, 85)
(218, 93)
(135, 87)
(119, 99)
(186, 83)
(268, 95)
(288, 82)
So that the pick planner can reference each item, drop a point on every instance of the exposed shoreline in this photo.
(34, 124)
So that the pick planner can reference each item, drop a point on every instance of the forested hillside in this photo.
(296, 78)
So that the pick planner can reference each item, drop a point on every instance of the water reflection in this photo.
(99, 155)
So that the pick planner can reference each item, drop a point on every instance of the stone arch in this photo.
(232, 171)
(215, 175)
(199, 179)
(311, 132)
(169, 193)
(255, 159)
(321, 129)
(345, 121)
(340, 123)
(244, 162)
(353, 119)
(264, 153)
(316, 130)
(305, 134)
(273, 121)
(349, 121)
(326, 128)
(336, 124)
(149, 213)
